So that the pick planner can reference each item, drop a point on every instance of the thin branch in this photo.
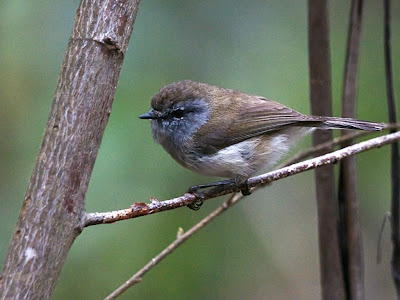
(349, 225)
(395, 167)
(331, 275)
(124, 214)
(181, 238)
(321, 148)
(386, 218)
(142, 209)
(266, 178)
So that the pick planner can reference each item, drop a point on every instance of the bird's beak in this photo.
(149, 115)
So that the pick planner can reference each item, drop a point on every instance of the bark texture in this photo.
(53, 214)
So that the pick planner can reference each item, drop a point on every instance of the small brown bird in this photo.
(227, 133)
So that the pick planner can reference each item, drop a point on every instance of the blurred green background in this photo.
(263, 248)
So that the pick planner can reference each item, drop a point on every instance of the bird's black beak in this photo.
(149, 115)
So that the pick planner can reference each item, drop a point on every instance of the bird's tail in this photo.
(344, 123)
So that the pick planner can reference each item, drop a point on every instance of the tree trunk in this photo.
(52, 215)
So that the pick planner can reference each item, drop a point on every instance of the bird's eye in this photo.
(178, 113)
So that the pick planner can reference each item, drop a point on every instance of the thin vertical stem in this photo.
(350, 229)
(395, 170)
(321, 104)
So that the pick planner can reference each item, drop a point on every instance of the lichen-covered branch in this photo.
(141, 209)
(275, 175)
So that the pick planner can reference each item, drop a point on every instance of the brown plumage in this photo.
(249, 115)
(227, 133)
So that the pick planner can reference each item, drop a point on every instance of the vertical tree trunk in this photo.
(53, 212)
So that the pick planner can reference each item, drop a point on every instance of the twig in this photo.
(349, 228)
(319, 149)
(136, 209)
(386, 218)
(319, 61)
(324, 146)
(141, 209)
(181, 238)
(271, 176)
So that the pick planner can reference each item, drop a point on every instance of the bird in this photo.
(227, 133)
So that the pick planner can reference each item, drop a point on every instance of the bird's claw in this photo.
(196, 205)
(246, 189)
(200, 196)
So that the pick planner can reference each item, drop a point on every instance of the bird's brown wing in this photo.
(261, 116)
(253, 117)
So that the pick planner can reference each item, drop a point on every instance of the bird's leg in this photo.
(242, 183)
(195, 188)
(196, 205)
(246, 190)
(237, 181)
(195, 191)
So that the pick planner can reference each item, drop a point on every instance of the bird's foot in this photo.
(200, 196)
(246, 189)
